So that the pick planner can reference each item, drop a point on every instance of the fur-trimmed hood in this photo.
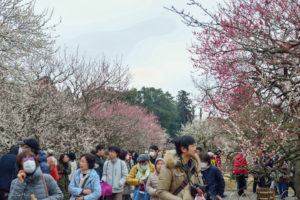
(172, 160)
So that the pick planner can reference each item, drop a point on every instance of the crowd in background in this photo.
(187, 172)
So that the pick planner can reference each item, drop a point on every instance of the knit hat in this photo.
(143, 158)
(159, 159)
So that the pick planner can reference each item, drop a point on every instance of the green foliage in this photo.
(162, 104)
(185, 107)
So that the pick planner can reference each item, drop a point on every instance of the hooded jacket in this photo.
(173, 174)
(214, 180)
(43, 163)
(34, 185)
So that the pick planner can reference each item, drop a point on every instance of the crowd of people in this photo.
(279, 179)
(185, 173)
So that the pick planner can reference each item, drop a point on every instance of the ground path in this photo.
(231, 195)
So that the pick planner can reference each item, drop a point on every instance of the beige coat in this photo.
(152, 184)
(172, 175)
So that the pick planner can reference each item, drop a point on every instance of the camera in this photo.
(194, 187)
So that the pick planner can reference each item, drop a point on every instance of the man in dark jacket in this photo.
(33, 145)
(212, 177)
(8, 171)
(154, 153)
(99, 160)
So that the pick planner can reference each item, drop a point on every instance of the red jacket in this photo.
(240, 164)
(54, 173)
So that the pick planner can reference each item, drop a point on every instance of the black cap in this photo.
(31, 142)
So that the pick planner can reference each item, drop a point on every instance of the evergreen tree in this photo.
(185, 107)
(162, 104)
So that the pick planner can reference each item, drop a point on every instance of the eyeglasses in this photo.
(28, 158)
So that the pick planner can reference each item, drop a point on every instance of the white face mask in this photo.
(29, 166)
(127, 157)
(203, 165)
(144, 167)
(152, 154)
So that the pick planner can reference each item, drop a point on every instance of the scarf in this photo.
(142, 174)
(83, 176)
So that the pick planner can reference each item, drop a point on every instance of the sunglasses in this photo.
(28, 158)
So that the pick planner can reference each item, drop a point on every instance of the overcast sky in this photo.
(151, 40)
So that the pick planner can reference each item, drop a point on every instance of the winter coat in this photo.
(63, 181)
(54, 173)
(43, 163)
(92, 183)
(34, 185)
(152, 184)
(99, 165)
(73, 169)
(131, 178)
(240, 164)
(172, 176)
(8, 172)
(214, 180)
(115, 174)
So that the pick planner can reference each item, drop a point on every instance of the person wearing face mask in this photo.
(154, 153)
(8, 171)
(33, 145)
(140, 172)
(31, 181)
(114, 173)
(152, 182)
(129, 160)
(212, 177)
(127, 188)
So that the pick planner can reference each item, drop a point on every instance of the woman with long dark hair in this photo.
(64, 169)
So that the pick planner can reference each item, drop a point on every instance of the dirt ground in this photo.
(231, 194)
